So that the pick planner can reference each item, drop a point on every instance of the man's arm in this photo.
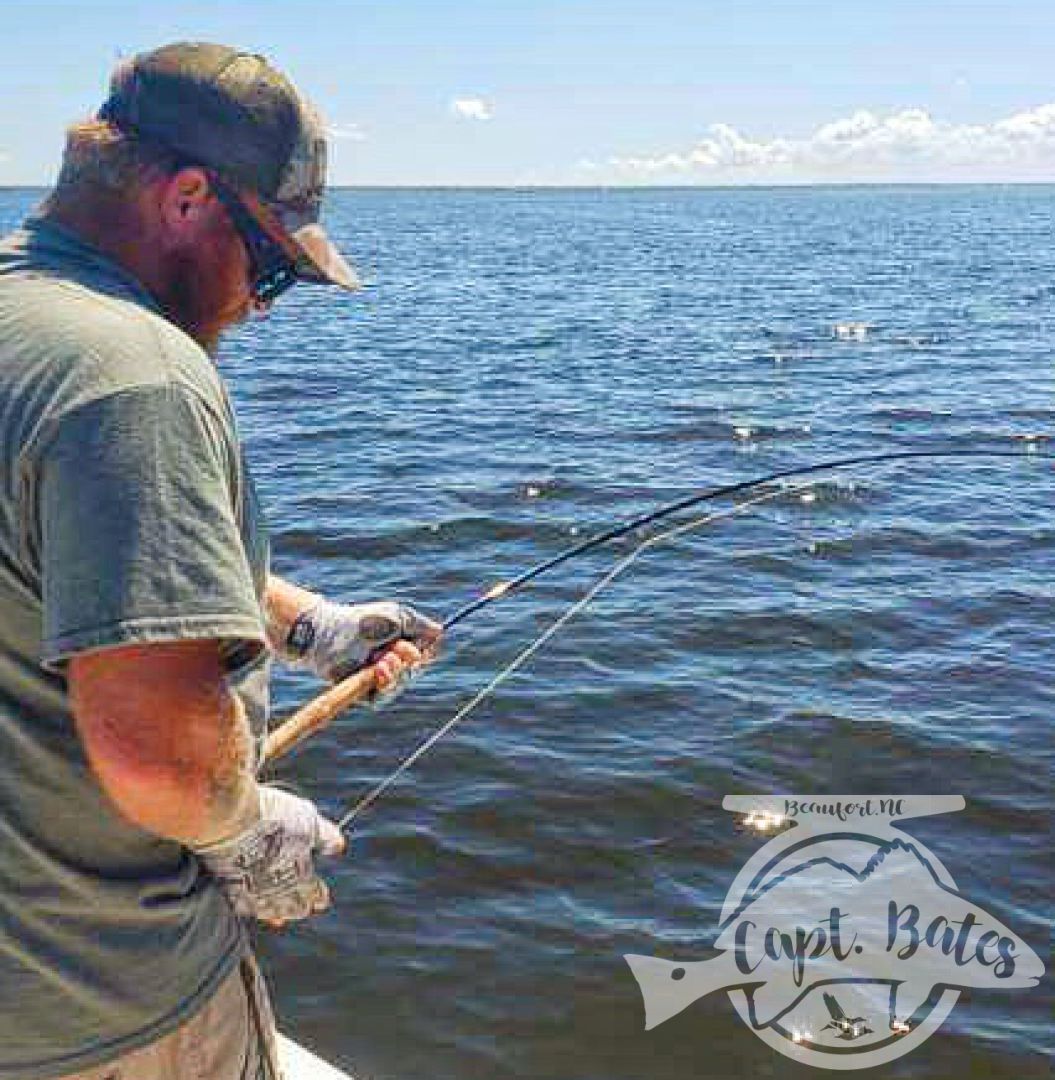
(283, 603)
(170, 746)
(168, 742)
(144, 571)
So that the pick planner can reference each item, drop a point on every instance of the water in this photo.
(530, 366)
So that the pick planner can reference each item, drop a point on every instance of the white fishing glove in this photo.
(268, 871)
(336, 640)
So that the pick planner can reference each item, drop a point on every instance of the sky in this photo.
(591, 92)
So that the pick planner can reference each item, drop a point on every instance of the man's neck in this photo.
(117, 232)
(121, 232)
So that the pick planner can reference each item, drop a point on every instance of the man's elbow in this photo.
(167, 798)
(158, 728)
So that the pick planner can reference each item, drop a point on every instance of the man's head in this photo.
(206, 168)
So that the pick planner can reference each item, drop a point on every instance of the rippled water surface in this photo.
(528, 367)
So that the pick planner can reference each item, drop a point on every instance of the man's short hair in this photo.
(101, 158)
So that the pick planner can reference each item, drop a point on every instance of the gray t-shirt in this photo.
(126, 516)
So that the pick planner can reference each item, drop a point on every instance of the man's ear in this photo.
(187, 200)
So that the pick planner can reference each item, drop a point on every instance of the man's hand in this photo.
(268, 871)
(336, 640)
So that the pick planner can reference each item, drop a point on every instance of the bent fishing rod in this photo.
(361, 686)
(503, 588)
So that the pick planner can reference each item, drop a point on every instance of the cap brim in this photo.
(320, 261)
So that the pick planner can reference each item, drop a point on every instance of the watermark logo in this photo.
(843, 943)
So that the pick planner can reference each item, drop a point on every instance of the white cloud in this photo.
(351, 132)
(908, 144)
(1034, 126)
(472, 108)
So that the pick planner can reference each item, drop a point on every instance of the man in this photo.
(136, 608)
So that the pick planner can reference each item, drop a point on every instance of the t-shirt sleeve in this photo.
(138, 534)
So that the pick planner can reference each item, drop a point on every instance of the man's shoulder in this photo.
(77, 343)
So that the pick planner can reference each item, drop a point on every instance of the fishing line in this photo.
(523, 657)
(502, 589)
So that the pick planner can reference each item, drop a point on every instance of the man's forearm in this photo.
(283, 602)
(232, 801)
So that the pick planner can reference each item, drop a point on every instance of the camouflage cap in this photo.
(231, 111)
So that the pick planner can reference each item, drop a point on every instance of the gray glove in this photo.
(336, 640)
(268, 871)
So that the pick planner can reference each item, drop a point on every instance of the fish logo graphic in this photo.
(843, 943)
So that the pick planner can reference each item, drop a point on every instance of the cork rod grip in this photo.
(319, 712)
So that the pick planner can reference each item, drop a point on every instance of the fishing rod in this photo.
(318, 713)
(504, 588)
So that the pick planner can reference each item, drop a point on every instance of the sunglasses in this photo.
(272, 269)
